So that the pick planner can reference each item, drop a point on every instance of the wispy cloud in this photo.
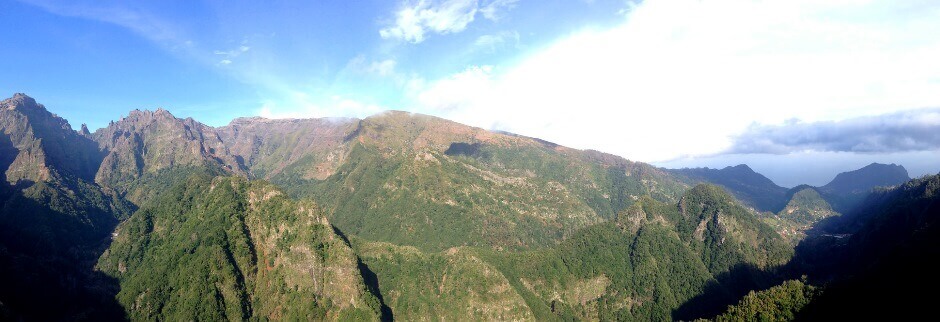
(494, 9)
(491, 43)
(916, 130)
(139, 21)
(415, 19)
(230, 55)
(383, 68)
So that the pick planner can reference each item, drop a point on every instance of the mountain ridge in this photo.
(415, 216)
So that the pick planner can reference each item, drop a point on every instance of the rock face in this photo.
(39, 143)
(266, 147)
(145, 143)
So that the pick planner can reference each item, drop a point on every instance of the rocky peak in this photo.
(149, 141)
(244, 121)
(44, 143)
(20, 101)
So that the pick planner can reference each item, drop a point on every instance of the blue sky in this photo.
(673, 82)
(214, 60)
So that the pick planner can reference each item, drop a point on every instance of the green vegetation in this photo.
(509, 198)
(805, 208)
(779, 303)
(452, 285)
(226, 248)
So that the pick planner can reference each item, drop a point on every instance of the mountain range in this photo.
(413, 217)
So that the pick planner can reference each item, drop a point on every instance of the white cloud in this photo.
(684, 77)
(414, 20)
(460, 93)
(493, 9)
(138, 21)
(230, 55)
(493, 42)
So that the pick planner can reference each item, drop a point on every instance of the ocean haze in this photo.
(813, 168)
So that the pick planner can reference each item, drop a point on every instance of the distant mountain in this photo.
(848, 189)
(866, 178)
(794, 211)
(750, 187)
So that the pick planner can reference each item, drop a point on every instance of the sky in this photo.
(798, 89)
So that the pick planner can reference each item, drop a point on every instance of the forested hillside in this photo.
(229, 249)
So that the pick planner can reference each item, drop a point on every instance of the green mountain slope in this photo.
(651, 263)
(805, 208)
(435, 184)
(226, 248)
(455, 284)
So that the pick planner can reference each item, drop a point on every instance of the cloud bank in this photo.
(917, 130)
(683, 77)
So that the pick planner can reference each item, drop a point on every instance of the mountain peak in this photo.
(740, 168)
(21, 101)
(868, 177)
(145, 114)
(248, 120)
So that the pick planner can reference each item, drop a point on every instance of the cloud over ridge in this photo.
(906, 131)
